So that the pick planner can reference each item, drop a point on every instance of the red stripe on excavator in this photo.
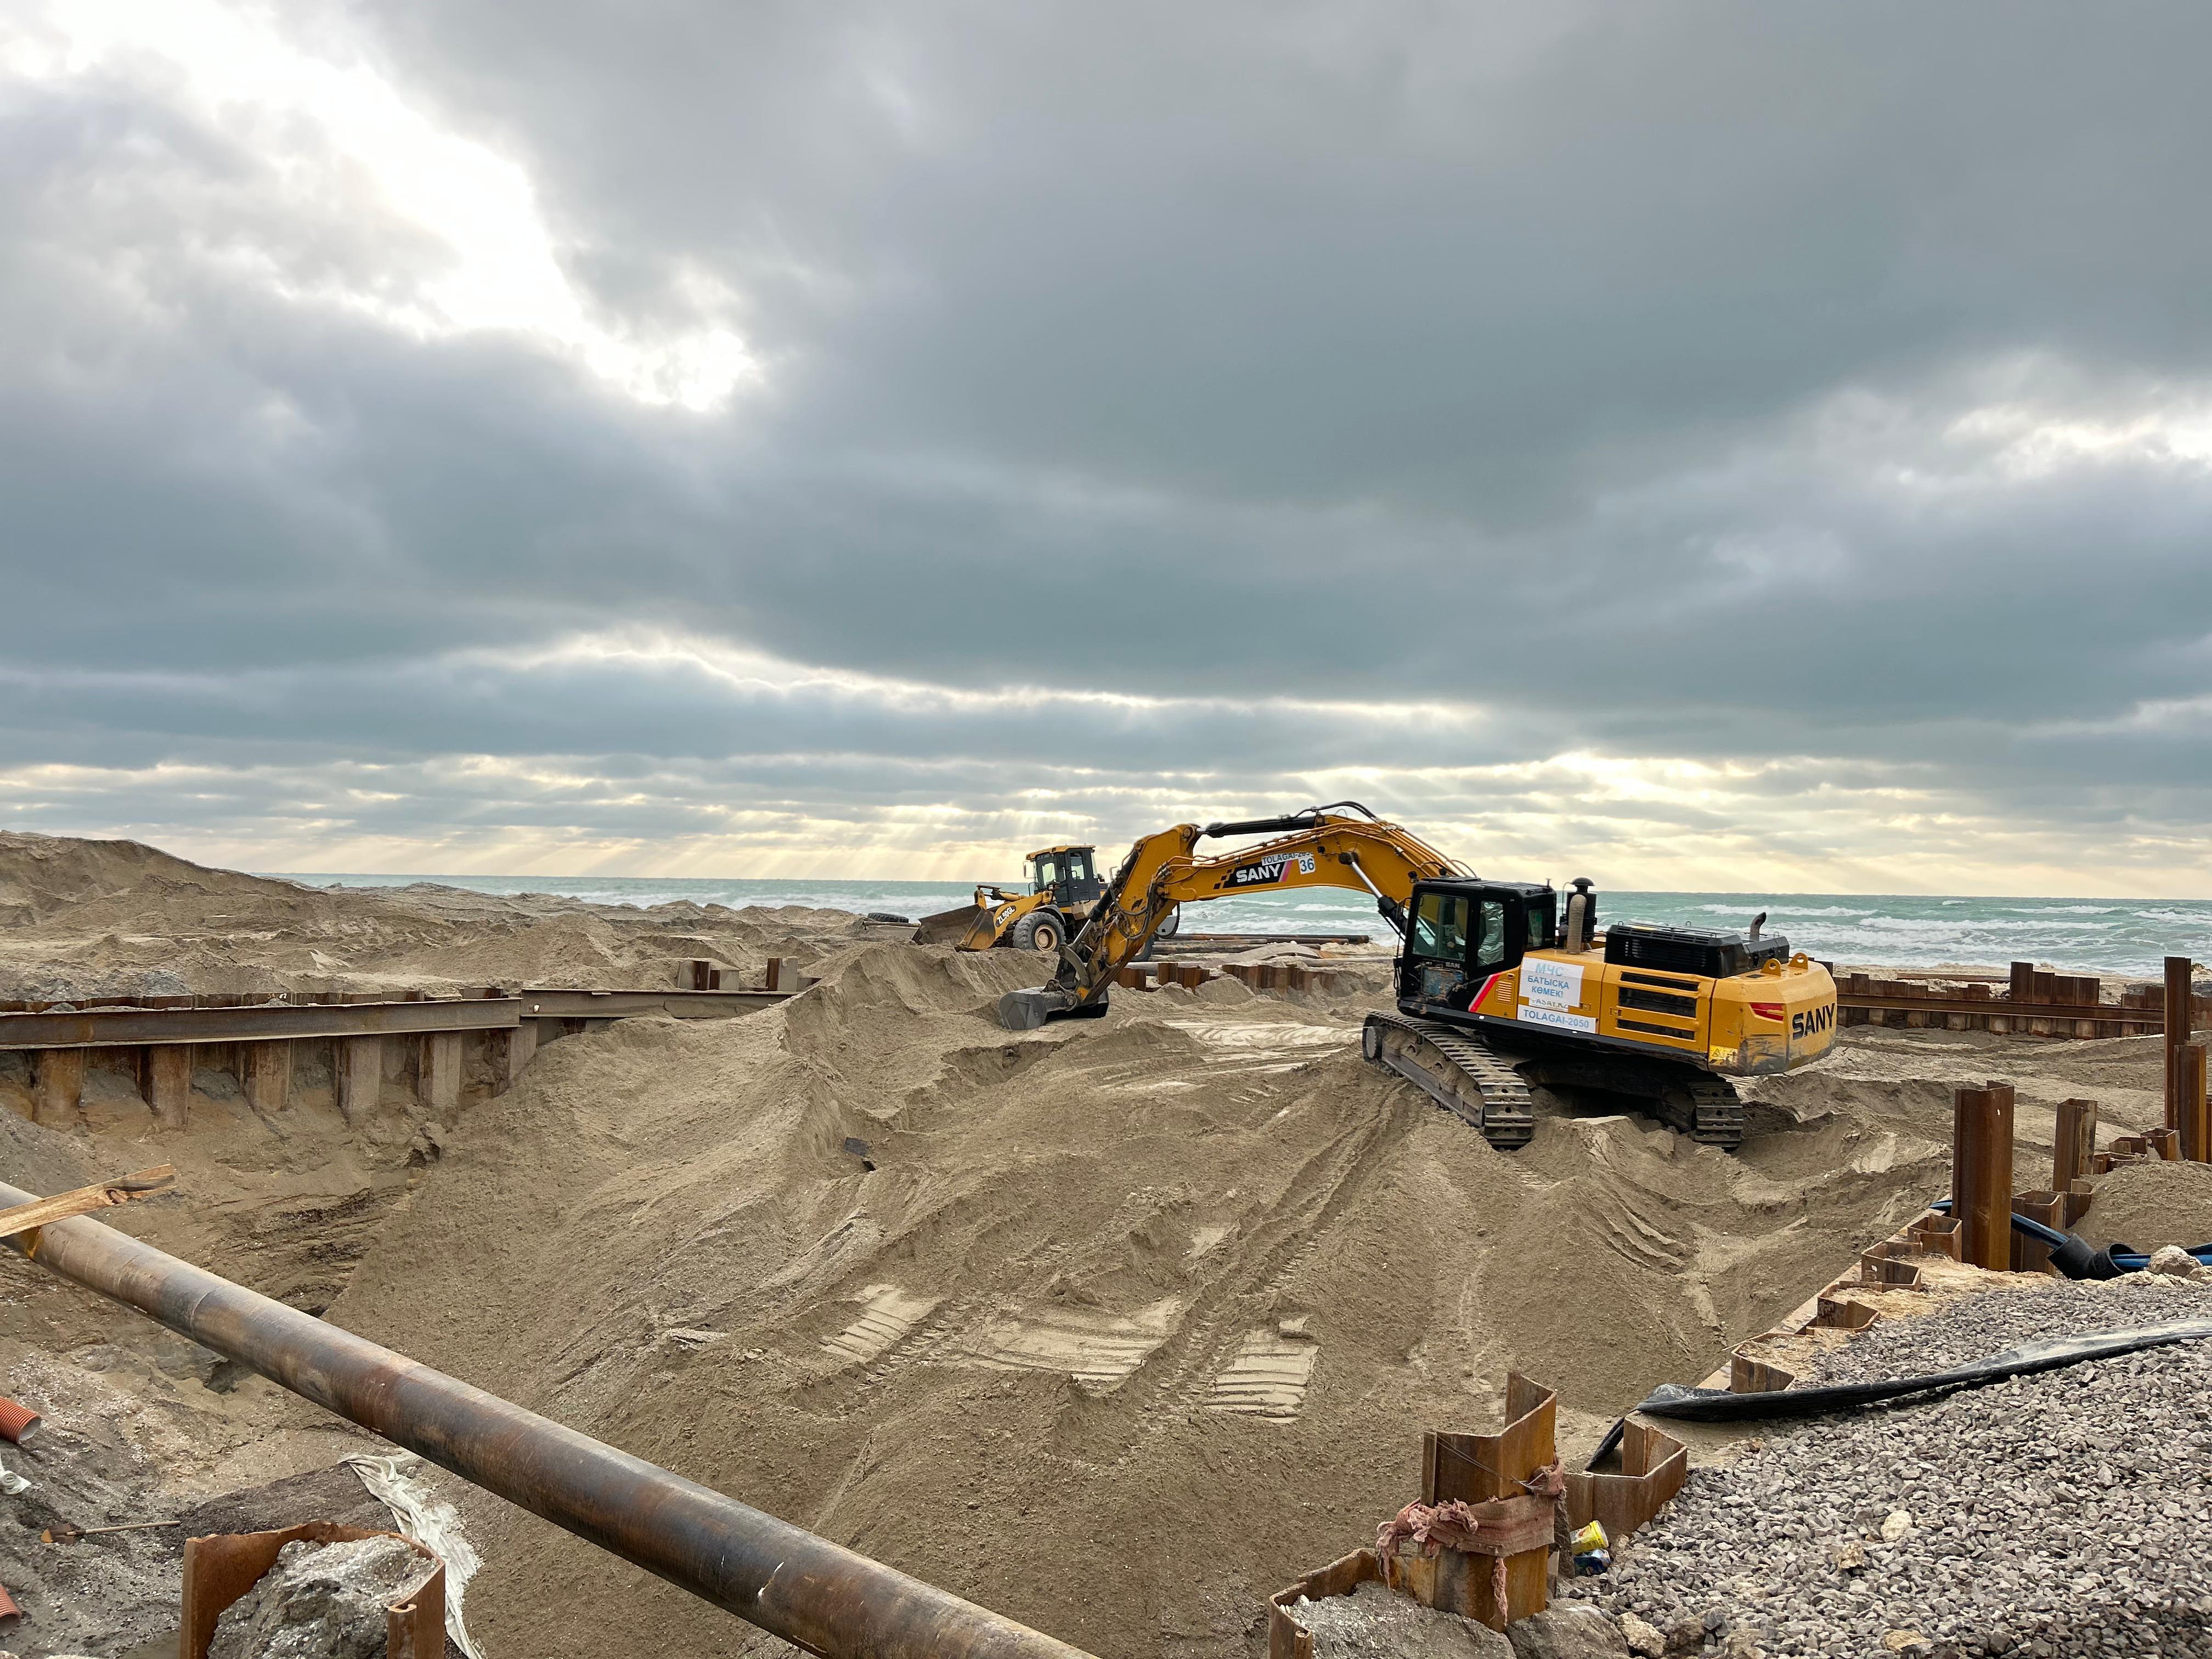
(1476, 1001)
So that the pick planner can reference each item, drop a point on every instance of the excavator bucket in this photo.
(1025, 1011)
(968, 926)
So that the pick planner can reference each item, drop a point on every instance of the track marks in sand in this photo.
(888, 1315)
(1268, 1378)
(1100, 1350)
(1233, 1046)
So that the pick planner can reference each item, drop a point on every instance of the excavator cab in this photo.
(1463, 934)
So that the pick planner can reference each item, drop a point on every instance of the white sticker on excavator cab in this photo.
(1547, 984)
(1558, 1019)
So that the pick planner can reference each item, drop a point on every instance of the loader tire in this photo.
(1040, 930)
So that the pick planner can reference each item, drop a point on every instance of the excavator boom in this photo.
(1320, 846)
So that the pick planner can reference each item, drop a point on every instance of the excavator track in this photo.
(1708, 1111)
(1456, 1070)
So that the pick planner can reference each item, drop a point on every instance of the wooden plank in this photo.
(83, 1201)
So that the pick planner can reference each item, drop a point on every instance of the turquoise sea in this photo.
(2110, 936)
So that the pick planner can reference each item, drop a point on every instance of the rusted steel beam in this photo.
(1653, 1468)
(2099, 1013)
(124, 1028)
(2178, 971)
(2074, 1145)
(2031, 1255)
(1981, 1174)
(2196, 1122)
(557, 1003)
(825, 1598)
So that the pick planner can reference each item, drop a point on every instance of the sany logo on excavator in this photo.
(1811, 1022)
(1267, 869)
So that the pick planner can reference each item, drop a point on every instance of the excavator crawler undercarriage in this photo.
(1456, 1070)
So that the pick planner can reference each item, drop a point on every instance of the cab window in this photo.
(1078, 866)
(1440, 927)
(1047, 871)
(1491, 940)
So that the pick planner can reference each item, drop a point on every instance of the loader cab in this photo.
(1070, 874)
(1460, 932)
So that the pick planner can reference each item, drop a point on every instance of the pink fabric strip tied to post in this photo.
(1496, 1529)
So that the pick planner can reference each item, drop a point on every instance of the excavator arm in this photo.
(1320, 846)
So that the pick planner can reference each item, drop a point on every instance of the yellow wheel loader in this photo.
(1497, 982)
(1063, 887)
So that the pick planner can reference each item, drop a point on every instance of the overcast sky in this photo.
(1759, 446)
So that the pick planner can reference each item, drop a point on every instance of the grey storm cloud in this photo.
(1142, 407)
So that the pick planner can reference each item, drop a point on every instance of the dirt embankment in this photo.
(1114, 1326)
(88, 918)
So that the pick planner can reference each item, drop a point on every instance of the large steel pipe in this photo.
(822, 1596)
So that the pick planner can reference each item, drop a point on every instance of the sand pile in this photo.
(85, 918)
(1176, 1290)
(2150, 1204)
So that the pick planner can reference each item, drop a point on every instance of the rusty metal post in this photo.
(57, 1087)
(169, 1084)
(2178, 971)
(2195, 1131)
(1981, 1174)
(2072, 1147)
(265, 1073)
(820, 1595)
(357, 1063)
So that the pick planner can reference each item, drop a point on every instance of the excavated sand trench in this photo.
(1129, 1322)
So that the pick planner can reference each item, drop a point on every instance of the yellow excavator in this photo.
(1486, 969)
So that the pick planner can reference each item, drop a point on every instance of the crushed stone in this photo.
(2063, 1514)
(1375, 1622)
(321, 1602)
(1981, 1327)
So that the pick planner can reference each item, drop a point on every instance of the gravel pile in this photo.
(2068, 1513)
(1979, 1327)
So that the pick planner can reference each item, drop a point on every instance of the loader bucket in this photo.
(1025, 1011)
(968, 926)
